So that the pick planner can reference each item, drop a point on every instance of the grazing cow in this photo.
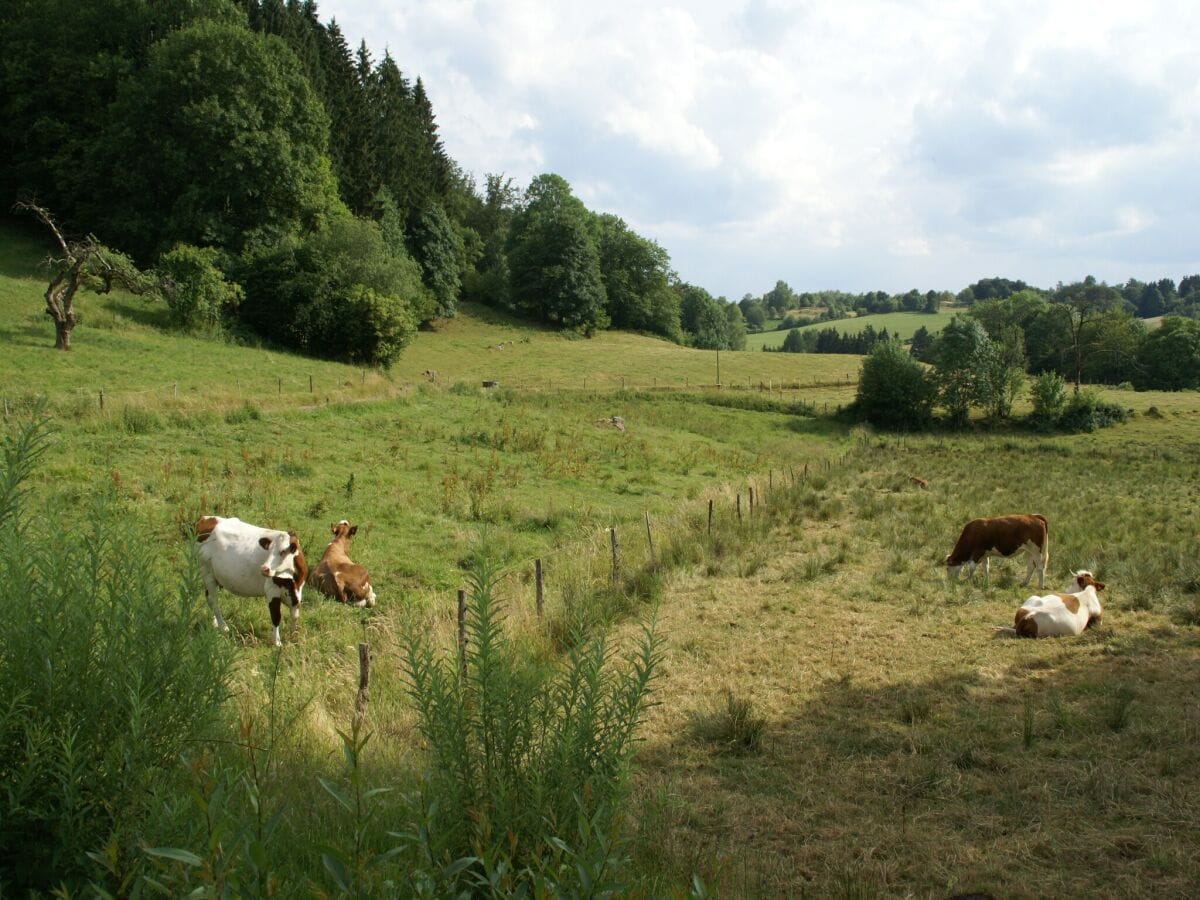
(251, 562)
(337, 576)
(1002, 536)
(1057, 614)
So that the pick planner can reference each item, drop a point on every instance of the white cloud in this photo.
(862, 145)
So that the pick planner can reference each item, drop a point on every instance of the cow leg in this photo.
(295, 613)
(275, 619)
(210, 594)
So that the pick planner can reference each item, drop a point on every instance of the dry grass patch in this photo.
(912, 749)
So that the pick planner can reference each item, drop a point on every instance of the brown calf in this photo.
(1002, 536)
(337, 576)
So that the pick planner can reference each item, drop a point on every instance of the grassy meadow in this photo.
(830, 718)
(899, 324)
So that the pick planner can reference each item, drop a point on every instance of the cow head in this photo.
(281, 548)
(343, 529)
(1085, 579)
(1091, 599)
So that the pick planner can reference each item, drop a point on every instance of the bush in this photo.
(104, 675)
(338, 293)
(1086, 411)
(198, 295)
(521, 754)
(893, 389)
(1049, 396)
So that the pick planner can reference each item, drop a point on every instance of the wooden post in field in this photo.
(806, 471)
(175, 390)
(310, 390)
(364, 680)
(771, 480)
(751, 503)
(462, 631)
(649, 539)
(364, 376)
(279, 383)
(739, 507)
(612, 534)
(710, 506)
(101, 399)
(537, 580)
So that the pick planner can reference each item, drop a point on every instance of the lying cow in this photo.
(1002, 536)
(1055, 615)
(251, 562)
(337, 576)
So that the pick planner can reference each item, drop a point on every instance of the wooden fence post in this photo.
(102, 399)
(752, 502)
(710, 507)
(364, 680)
(280, 384)
(310, 390)
(537, 580)
(649, 539)
(462, 631)
(739, 507)
(612, 534)
(175, 390)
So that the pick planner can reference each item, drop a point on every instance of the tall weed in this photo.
(105, 676)
(528, 761)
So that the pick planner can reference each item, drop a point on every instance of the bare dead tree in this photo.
(87, 264)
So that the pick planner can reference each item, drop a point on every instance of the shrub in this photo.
(1049, 396)
(197, 294)
(893, 389)
(338, 293)
(104, 676)
(521, 753)
(1086, 411)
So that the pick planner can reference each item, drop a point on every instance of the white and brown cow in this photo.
(1055, 615)
(337, 576)
(1002, 536)
(251, 562)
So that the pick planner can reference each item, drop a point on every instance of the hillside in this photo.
(898, 324)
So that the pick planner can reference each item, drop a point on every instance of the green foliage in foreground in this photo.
(103, 678)
(523, 751)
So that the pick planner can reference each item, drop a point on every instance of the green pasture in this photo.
(831, 718)
(898, 324)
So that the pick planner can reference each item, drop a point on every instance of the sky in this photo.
(855, 145)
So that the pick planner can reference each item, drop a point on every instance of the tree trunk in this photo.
(62, 335)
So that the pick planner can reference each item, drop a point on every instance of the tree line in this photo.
(287, 187)
(1083, 333)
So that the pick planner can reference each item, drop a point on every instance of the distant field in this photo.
(902, 324)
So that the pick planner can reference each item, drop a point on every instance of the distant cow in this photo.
(1055, 615)
(251, 562)
(337, 576)
(1002, 536)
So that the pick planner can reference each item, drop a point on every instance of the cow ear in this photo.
(353, 530)
(333, 528)
(1099, 585)
(265, 543)
(293, 547)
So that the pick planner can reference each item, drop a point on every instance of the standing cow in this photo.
(251, 562)
(1002, 536)
(337, 576)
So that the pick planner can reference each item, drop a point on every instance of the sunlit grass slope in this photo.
(898, 324)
